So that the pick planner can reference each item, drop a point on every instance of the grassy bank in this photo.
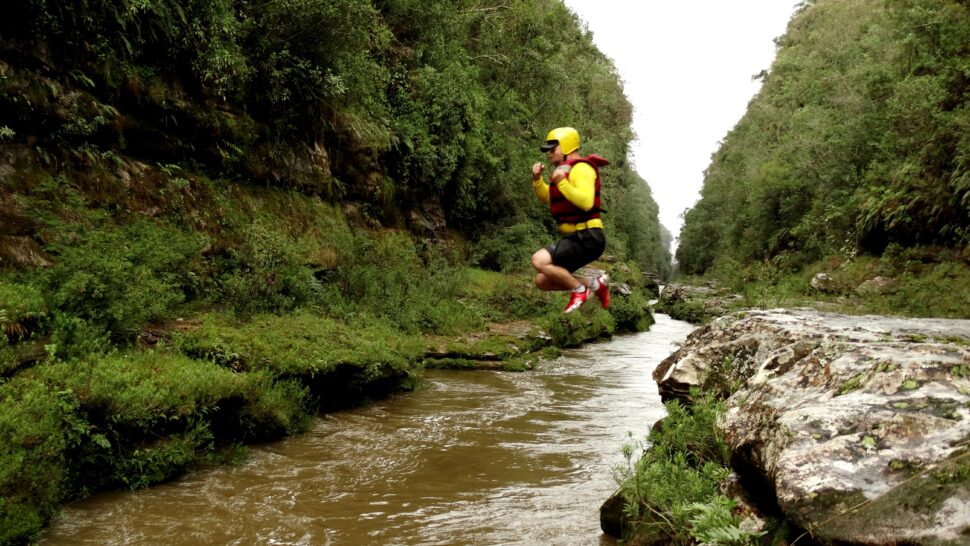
(913, 282)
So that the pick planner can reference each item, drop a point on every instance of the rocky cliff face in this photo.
(856, 428)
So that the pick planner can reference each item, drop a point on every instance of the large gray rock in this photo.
(856, 427)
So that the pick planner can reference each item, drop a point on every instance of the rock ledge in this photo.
(855, 427)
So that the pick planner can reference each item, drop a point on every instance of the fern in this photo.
(714, 523)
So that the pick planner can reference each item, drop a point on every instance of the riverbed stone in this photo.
(823, 282)
(856, 427)
(877, 286)
(611, 515)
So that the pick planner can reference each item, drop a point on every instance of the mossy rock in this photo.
(919, 505)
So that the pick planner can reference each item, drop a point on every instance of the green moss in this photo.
(519, 364)
(551, 353)
(694, 312)
(304, 344)
(887, 367)
(905, 466)
(827, 504)
(493, 346)
(953, 340)
(852, 383)
(574, 329)
(944, 407)
(908, 505)
(956, 473)
(450, 363)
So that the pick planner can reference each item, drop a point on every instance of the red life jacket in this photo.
(562, 209)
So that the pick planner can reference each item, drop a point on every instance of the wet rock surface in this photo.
(855, 427)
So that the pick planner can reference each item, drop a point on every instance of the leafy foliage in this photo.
(37, 427)
(393, 103)
(264, 273)
(22, 309)
(856, 141)
(715, 524)
(671, 492)
(122, 278)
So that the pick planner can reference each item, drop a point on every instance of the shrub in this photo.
(631, 313)
(385, 276)
(691, 430)
(155, 412)
(265, 274)
(73, 337)
(503, 297)
(38, 426)
(671, 493)
(574, 329)
(694, 312)
(22, 310)
(162, 459)
(509, 248)
(122, 277)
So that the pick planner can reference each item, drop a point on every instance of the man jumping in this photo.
(573, 195)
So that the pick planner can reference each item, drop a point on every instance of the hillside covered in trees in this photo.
(856, 145)
(399, 106)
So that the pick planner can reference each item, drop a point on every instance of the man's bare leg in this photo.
(552, 277)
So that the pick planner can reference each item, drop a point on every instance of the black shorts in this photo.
(578, 248)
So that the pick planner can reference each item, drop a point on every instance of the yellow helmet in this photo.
(566, 138)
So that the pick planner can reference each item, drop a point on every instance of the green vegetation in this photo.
(101, 410)
(928, 283)
(124, 420)
(217, 219)
(397, 106)
(852, 160)
(671, 493)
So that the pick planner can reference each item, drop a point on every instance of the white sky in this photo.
(686, 66)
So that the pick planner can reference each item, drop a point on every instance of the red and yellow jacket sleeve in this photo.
(579, 187)
(542, 189)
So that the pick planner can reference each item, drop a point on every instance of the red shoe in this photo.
(603, 292)
(576, 301)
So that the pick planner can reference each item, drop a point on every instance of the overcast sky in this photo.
(686, 67)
